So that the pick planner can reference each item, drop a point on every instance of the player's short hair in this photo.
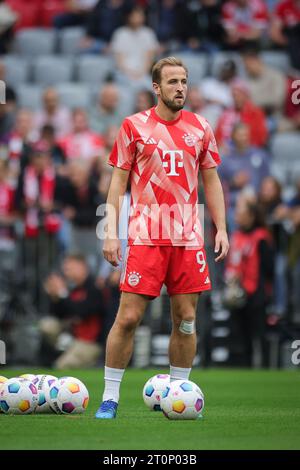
(157, 68)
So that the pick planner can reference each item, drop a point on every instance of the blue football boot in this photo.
(107, 410)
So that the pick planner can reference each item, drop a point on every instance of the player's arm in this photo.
(215, 201)
(112, 244)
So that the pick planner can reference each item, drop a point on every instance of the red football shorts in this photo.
(147, 268)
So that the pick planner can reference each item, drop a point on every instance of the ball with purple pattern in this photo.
(153, 390)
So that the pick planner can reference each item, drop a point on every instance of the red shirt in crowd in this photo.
(252, 116)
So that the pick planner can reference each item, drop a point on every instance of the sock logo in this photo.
(134, 278)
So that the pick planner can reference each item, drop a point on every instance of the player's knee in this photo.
(128, 320)
(185, 323)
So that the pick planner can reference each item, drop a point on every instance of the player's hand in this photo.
(221, 244)
(112, 251)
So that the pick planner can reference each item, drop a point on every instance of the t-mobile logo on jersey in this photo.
(172, 164)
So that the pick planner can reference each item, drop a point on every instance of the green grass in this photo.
(243, 410)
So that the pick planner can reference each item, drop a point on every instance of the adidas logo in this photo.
(207, 280)
(151, 141)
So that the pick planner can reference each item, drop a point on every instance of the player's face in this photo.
(172, 89)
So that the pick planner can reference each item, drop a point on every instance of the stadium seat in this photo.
(197, 65)
(276, 59)
(69, 39)
(74, 95)
(93, 69)
(50, 70)
(285, 165)
(218, 59)
(35, 41)
(16, 69)
(29, 96)
(285, 147)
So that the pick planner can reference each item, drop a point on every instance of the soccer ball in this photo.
(153, 390)
(18, 396)
(68, 395)
(31, 377)
(43, 384)
(2, 380)
(182, 399)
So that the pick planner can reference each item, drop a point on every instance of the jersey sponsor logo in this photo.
(173, 164)
(134, 278)
(207, 280)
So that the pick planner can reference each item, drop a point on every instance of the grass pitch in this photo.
(243, 410)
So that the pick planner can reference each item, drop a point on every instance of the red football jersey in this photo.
(164, 158)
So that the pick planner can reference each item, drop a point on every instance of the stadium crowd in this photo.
(73, 70)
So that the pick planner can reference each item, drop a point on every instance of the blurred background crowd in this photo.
(73, 69)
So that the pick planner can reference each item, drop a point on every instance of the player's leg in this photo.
(119, 344)
(141, 279)
(119, 350)
(187, 277)
(183, 341)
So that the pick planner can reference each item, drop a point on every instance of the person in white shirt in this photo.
(134, 47)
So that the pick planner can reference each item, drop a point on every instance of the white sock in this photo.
(113, 379)
(179, 373)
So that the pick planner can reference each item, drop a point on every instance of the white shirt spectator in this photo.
(134, 45)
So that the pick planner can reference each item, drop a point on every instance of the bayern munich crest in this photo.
(134, 278)
(189, 139)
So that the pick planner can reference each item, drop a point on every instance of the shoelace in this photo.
(108, 406)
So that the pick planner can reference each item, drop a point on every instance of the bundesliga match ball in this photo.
(2, 381)
(68, 395)
(31, 377)
(43, 385)
(153, 390)
(18, 396)
(182, 399)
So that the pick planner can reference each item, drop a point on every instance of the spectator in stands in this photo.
(270, 200)
(289, 215)
(134, 47)
(244, 22)
(250, 266)
(285, 28)
(77, 198)
(8, 18)
(11, 96)
(36, 190)
(218, 88)
(243, 168)
(144, 100)
(104, 19)
(200, 25)
(20, 140)
(165, 17)
(57, 155)
(267, 85)
(8, 252)
(7, 115)
(7, 204)
(77, 307)
(53, 113)
(245, 111)
(107, 111)
(294, 248)
(209, 106)
(82, 142)
(216, 91)
(76, 13)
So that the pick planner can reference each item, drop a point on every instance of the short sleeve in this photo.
(123, 152)
(209, 156)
